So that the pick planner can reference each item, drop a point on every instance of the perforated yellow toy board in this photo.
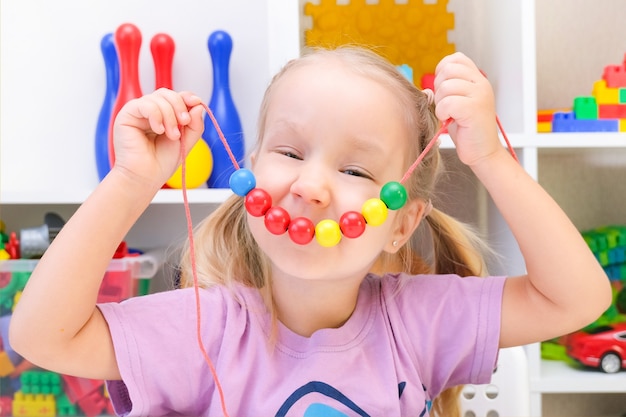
(413, 32)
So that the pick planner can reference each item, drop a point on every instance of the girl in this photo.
(309, 329)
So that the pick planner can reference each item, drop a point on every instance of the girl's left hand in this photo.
(464, 94)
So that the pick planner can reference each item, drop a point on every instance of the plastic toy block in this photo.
(585, 108)
(93, 404)
(622, 95)
(6, 406)
(116, 286)
(41, 382)
(412, 32)
(428, 81)
(406, 70)
(6, 365)
(77, 388)
(566, 122)
(615, 76)
(545, 116)
(622, 125)
(33, 405)
(612, 111)
(605, 94)
(609, 236)
(65, 407)
(544, 127)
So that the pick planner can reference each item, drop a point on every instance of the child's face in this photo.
(332, 139)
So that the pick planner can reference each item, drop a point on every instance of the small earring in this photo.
(394, 243)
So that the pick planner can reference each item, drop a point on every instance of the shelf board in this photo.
(576, 140)
(559, 377)
(75, 197)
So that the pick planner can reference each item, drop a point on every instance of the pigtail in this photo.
(457, 248)
(226, 251)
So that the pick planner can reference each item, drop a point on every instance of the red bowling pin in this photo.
(128, 44)
(162, 48)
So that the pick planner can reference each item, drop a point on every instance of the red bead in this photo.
(277, 220)
(258, 202)
(301, 230)
(352, 224)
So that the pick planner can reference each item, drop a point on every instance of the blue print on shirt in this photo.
(326, 410)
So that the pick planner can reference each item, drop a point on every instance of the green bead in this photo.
(393, 195)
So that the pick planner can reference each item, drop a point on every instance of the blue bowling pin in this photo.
(223, 107)
(111, 63)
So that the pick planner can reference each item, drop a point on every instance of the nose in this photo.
(312, 186)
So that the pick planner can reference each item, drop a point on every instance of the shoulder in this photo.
(401, 283)
(450, 295)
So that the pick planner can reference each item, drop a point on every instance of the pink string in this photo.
(441, 130)
(192, 259)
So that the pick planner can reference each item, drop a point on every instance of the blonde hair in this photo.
(226, 251)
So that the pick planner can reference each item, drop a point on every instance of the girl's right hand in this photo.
(147, 133)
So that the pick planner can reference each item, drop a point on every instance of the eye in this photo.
(357, 173)
(292, 155)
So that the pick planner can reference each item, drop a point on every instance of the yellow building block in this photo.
(412, 33)
(6, 366)
(622, 125)
(33, 405)
(544, 127)
(604, 94)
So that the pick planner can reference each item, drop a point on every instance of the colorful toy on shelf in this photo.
(603, 348)
(127, 44)
(121, 55)
(28, 391)
(608, 244)
(112, 70)
(162, 47)
(603, 111)
(199, 161)
(35, 240)
(222, 105)
(413, 32)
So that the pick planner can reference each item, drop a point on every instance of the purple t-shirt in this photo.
(409, 338)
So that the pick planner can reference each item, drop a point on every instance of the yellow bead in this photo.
(327, 233)
(374, 211)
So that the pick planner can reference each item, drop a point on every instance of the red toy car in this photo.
(603, 347)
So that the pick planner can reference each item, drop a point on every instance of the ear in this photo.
(407, 221)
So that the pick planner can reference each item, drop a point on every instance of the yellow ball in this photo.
(327, 233)
(374, 211)
(199, 164)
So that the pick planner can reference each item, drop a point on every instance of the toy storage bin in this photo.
(125, 277)
(28, 391)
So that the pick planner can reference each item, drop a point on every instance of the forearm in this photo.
(560, 267)
(61, 293)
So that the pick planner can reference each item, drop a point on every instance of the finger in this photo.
(193, 130)
(190, 99)
(151, 113)
(174, 111)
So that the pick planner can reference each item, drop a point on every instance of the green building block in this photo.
(65, 408)
(41, 382)
(622, 95)
(585, 108)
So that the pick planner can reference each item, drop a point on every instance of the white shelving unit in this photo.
(52, 85)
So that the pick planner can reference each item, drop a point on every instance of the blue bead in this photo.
(242, 181)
